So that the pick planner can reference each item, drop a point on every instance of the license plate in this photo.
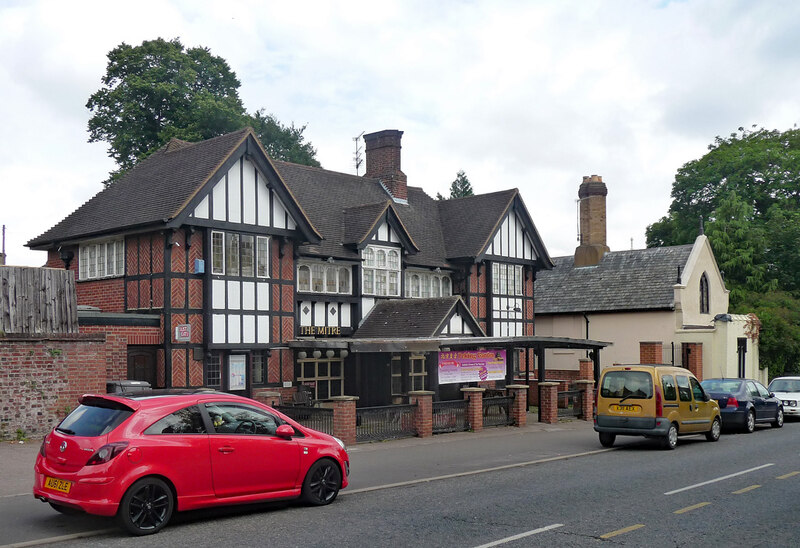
(57, 485)
(627, 408)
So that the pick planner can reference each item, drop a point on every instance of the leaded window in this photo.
(101, 260)
(427, 284)
(323, 278)
(381, 271)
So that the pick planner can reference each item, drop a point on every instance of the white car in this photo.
(787, 389)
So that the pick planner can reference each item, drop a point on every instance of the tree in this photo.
(160, 90)
(285, 143)
(459, 188)
(761, 166)
(748, 188)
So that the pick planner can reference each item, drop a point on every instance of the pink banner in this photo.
(472, 366)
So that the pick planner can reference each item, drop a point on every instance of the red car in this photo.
(140, 457)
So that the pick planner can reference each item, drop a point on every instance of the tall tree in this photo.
(160, 90)
(459, 188)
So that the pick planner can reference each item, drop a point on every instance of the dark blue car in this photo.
(744, 402)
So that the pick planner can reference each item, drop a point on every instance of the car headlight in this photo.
(340, 442)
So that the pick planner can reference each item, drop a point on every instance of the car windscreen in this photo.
(627, 384)
(721, 385)
(785, 385)
(94, 419)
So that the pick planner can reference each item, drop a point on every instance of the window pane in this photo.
(344, 280)
(83, 264)
(369, 257)
(322, 369)
(101, 259)
(232, 254)
(336, 368)
(446, 291)
(213, 369)
(518, 277)
(258, 362)
(415, 285)
(394, 260)
(436, 287)
(380, 282)
(111, 255)
(217, 253)
(369, 281)
(323, 391)
(426, 286)
(309, 370)
(120, 258)
(92, 261)
(304, 278)
(184, 421)
(330, 279)
(380, 261)
(317, 278)
(248, 255)
(495, 278)
(262, 256)
(394, 287)
(336, 388)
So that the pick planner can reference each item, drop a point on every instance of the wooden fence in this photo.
(37, 300)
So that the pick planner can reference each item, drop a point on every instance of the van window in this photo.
(697, 390)
(668, 383)
(684, 391)
(624, 384)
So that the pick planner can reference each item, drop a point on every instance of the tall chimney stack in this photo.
(592, 194)
(383, 161)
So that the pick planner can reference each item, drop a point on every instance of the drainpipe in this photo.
(585, 317)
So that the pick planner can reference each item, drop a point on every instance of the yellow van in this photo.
(655, 401)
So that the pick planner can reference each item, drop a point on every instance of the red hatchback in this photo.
(142, 457)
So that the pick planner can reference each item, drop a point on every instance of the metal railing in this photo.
(385, 423)
(318, 418)
(450, 416)
(570, 403)
(497, 411)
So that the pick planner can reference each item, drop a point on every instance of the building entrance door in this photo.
(142, 364)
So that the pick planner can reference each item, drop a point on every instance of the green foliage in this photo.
(159, 90)
(459, 188)
(748, 189)
(283, 142)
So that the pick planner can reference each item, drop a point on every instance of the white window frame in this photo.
(260, 239)
(218, 271)
(424, 279)
(508, 279)
(325, 270)
(380, 271)
(108, 252)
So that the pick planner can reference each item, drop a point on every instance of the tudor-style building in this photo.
(211, 264)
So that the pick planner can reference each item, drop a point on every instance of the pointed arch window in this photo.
(704, 299)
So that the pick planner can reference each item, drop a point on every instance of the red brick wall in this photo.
(41, 379)
(695, 359)
(651, 352)
(118, 337)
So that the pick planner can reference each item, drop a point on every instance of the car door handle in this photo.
(225, 450)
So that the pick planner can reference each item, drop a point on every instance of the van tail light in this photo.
(732, 402)
(106, 453)
(659, 403)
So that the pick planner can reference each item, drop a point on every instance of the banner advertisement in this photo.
(472, 366)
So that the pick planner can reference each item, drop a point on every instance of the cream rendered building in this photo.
(671, 297)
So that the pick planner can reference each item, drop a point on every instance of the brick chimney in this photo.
(592, 194)
(383, 161)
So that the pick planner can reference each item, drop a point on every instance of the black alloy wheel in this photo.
(322, 483)
(146, 507)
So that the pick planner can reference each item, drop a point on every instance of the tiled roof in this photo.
(407, 318)
(153, 191)
(641, 279)
(360, 220)
(469, 222)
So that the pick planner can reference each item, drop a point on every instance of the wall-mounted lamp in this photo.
(66, 257)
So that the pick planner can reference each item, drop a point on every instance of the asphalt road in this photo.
(517, 490)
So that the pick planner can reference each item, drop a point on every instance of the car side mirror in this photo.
(285, 431)
(706, 397)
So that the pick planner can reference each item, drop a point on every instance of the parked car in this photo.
(655, 401)
(787, 389)
(744, 402)
(142, 456)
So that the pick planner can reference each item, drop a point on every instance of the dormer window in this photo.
(323, 278)
(704, 301)
(427, 284)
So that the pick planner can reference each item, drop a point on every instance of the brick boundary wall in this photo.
(42, 376)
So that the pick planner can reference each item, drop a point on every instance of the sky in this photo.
(532, 95)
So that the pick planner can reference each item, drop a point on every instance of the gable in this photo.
(243, 195)
(511, 240)
(415, 318)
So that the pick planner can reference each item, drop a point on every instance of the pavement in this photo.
(396, 461)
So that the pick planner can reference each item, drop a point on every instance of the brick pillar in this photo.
(519, 407)
(587, 399)
(344, 418)
(475, 410)
(423, 414)
(651, 352)
(548, 407)
(586, 367)
(694, 353)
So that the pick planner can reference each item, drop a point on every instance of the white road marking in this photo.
(63, 538)
(471, 472)
(696, 485)
(521, 535)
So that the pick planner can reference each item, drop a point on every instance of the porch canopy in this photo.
(444, 344)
